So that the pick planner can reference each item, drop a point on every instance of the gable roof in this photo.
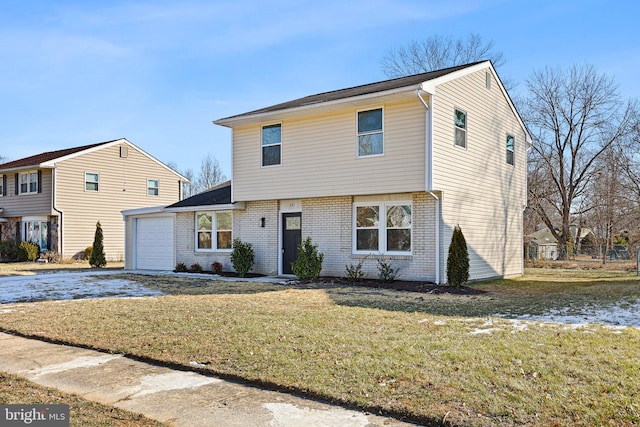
(382, 86)
(38, 159)
(358, 96)
(218, 195)
(48, 159)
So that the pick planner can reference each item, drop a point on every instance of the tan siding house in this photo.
(75, 188)
(379, 171)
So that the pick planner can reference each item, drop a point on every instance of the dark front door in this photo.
(291, 237)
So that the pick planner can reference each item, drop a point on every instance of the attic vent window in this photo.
(124, 152)
(488, 77)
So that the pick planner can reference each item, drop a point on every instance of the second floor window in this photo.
(510, 145)
(2, 186)
(152, 187)
(28, 182)
(460, 121)
(271, 145)
(370, 134)
(91, 181)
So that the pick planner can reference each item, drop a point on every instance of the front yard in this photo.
(443, 359)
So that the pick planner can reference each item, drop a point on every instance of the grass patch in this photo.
(29, 268)
(433, 358)
(16, 390)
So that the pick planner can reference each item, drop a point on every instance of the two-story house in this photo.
(383, 170)
(56, 198)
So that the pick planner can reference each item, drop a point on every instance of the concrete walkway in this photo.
(177, 397)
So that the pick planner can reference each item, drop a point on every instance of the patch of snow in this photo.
(64, 286)
(621, 314)
(487, 331)
(439, 322)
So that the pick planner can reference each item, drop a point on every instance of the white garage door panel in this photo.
(154, 243)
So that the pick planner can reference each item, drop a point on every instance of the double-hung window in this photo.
(214, 231)
(370, 133)
(382, 227)
(152, 187)
(510, 149)
(460, 122)
(272, 145)
(29, 182)
(91, 181)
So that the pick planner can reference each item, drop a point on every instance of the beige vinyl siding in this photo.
(35, 204)
(319, 157)
(480, 191)
(122, 185)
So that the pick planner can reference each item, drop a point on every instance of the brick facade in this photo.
(328, 221)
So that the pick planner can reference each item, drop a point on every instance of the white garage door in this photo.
(154, 243)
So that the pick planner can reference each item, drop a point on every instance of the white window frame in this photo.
(40, 238)
(382, 227)
(29, 175)
(97, 182)
(359, 134)
(262, 146)
(456, 127)
(511, 150)
(213, 231)
(156, 187)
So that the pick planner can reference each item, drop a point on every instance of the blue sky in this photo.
(159, 72)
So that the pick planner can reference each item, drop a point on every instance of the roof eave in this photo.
(222, 207)
(245, 119)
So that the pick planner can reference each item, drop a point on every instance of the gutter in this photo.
(55, 208)
(429, 175)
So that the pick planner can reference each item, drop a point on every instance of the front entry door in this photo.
(291, 237)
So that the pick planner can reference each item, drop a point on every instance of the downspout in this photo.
(429, 176)
(55, 208)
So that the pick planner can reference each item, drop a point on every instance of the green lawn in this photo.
(432, 358)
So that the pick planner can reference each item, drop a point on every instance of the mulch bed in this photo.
(398, 285)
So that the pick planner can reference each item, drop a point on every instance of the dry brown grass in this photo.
(29, 268)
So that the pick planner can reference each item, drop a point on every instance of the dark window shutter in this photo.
(49, 235)
(18, 228)
(17, 184)
(4, 185)
(40, 181)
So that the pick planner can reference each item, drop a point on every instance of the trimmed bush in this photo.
(181, 267)
(97, 259)
(309, 262)
(8, 250)
(458, 259)
(28, 251)
(386, 272)
(242, 257)
(216, 267)
(354, 273)
(195, 268)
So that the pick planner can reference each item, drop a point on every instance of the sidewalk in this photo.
(180, 398)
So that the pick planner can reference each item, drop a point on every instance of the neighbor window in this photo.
(36, 232)
(2, 185)
(460, 121)
(383, 227)
(210, 224)
(271, 145)
(510, 145)
(29, 182)
(152, 187)
(91, 181)
(370, 134)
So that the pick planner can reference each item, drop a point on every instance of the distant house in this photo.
(380, 171)
(56, 198)
(546, 245)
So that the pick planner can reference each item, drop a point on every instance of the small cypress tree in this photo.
(97, 259)
(458, 259)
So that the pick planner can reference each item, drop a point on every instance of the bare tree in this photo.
(210, 174)
(575, 116)
(438, 52)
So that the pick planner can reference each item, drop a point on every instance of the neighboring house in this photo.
(384, 170)
(546, 245)
(56, 198)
